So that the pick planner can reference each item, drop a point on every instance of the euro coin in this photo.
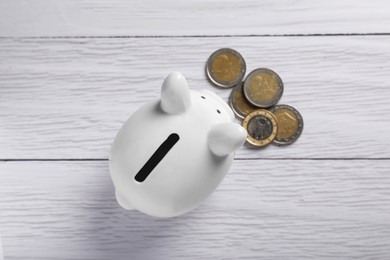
(263, 88)
(261, 126)
(290, 124)
(226, 68)
(237, 101)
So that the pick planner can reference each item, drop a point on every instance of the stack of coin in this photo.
(254, 99)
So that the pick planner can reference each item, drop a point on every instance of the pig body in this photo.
(174, 151)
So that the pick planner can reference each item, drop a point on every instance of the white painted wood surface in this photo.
(1, 250)
(263, 210)
(71, 72)
(67, 98)
(204, 17)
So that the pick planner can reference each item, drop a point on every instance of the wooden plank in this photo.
(21, 18)
(1, 250)
(264, 209)
(67, 98)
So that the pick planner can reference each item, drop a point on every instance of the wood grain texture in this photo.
(262, 210)
(66, 87)
(21, 18)
(67, 98)
(1, 250)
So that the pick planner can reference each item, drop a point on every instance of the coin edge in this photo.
(245, 122)
(300, 125)
(237, 81)
(281, 85)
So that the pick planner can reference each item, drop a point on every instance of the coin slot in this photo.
(203, 97)
(219, 112)
(156, 158)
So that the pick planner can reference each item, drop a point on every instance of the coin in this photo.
(263, 88)
(261, 126)
(237, 101)
(226, 68)
(290, 124)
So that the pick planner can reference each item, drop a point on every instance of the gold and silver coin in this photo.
(263, 88)
(226, 68)
(261, 126)
(237, 101)
(290, 124)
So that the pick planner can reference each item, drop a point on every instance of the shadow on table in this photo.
(115, 233)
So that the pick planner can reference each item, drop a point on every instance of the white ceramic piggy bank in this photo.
(174, 151)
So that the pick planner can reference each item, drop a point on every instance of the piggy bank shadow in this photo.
(115, 233)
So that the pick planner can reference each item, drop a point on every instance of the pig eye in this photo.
(157, 156)
(219, 112)
(203, 97)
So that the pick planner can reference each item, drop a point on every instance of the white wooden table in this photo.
(72, 72)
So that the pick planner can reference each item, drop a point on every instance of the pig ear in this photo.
(175, 95)
(225, 138)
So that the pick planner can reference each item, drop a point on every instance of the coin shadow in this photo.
(252, 147)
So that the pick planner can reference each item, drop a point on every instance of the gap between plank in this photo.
(200, 36)
(237, 159)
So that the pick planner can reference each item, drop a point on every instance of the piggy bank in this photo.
(174, 151)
